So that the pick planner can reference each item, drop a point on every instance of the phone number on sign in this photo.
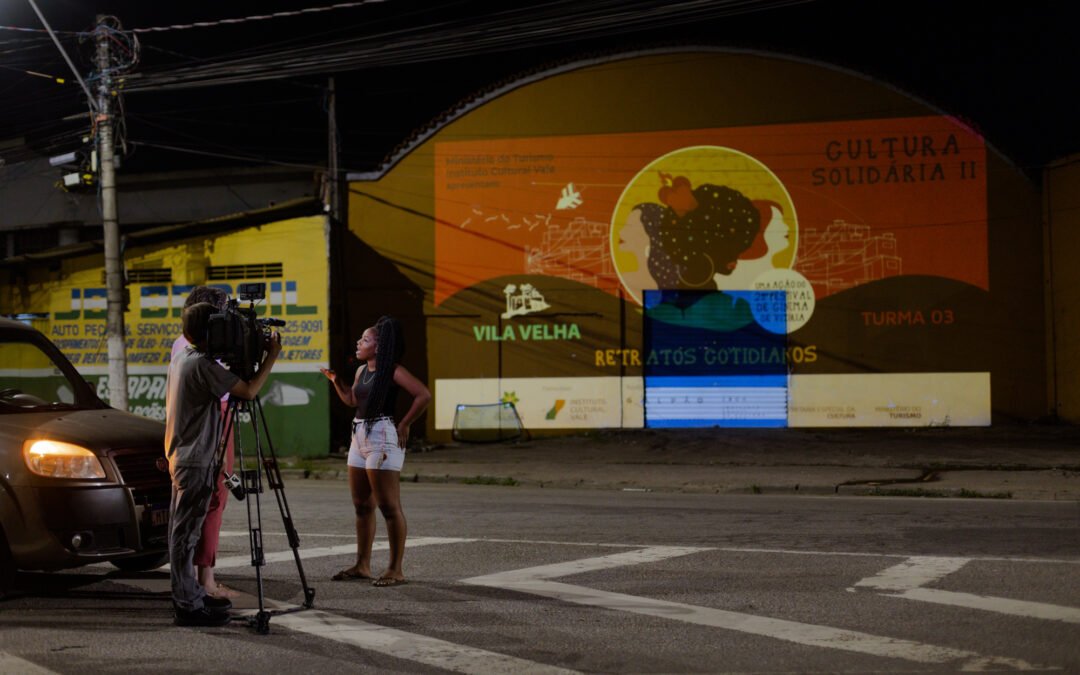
(308, 326)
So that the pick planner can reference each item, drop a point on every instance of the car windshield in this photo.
(35, 377)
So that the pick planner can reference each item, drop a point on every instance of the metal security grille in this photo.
(157, 275)
(255, 271)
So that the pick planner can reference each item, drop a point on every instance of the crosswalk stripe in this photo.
(914, 572)
(324, 551)
(1025, 608)
(903, 580)
(9, 663)
(410, 646)
(907, 579)
(382, 639)
(536, 581)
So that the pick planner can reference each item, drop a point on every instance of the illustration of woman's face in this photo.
(632, 237)
(777, 234)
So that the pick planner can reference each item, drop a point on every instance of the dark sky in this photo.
(1009, 74)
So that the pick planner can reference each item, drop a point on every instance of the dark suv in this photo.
(80, 482)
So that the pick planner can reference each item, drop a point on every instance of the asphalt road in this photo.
(512, 579)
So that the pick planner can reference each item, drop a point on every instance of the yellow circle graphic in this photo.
(702, 217)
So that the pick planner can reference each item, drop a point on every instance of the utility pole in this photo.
(332, 177)
(338, 312)
(114, 266)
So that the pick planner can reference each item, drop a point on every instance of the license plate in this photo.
(159, 517)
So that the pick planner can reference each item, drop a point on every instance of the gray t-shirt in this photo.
(193, 394)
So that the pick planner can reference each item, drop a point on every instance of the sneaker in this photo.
(217, 604)
(199, 617)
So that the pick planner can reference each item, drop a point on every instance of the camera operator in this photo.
(206, 550)
(193, 417)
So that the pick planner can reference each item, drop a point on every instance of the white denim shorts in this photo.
(377, 448)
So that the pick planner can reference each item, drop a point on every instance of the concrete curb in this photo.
(1035, 462)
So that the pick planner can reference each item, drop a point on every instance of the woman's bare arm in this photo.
(344, 393)
(421, 398)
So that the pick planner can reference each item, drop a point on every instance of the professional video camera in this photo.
(237, 336)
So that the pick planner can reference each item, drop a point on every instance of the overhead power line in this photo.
(214, 23)
(20, 29)
(515, 28)
(247, 158)
(257, 17)
(74, 70)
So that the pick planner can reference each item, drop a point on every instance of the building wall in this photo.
(32, 200)
(1062, 189)
(921, 260)
(69, 304)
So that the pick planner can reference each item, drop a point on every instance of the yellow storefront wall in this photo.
(289, 256)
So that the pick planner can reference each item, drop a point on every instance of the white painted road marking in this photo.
(9, 663)
(409, 646)
(324, 551)
(907, 579)
(913, 573)
(390, 641)
(901, 580)
(536, 581)
(1025, 608)
(564, 569)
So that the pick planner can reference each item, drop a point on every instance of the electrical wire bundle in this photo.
(517, 28)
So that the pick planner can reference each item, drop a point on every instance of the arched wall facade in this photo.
(539, 221)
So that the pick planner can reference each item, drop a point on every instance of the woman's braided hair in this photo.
(391, 345)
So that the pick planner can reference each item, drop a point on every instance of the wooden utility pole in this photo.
(114, 264)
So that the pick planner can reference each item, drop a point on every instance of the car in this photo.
(80, 482)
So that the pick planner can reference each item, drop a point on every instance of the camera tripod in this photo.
(244, 482)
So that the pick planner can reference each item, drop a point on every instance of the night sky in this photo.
(1009, 74)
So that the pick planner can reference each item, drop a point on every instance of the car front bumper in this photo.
(65, 526)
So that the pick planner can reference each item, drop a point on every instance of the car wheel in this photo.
(141, 563)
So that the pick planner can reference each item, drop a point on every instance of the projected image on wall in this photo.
(711, 360)
(875, 231)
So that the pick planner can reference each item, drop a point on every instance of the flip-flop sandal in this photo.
(387, 582)
(224, 591)
(349, 574)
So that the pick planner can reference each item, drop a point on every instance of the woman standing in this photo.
(377, 451)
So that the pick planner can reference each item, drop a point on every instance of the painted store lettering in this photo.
(168, 329)
(139, 387)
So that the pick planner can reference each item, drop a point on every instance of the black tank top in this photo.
(362, 389)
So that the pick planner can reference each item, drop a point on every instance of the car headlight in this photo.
(55, 459)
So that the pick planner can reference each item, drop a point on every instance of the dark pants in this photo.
(191, 490)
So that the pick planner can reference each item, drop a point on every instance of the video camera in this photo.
(237, 336)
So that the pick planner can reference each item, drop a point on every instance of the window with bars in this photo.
(254, 271)
(156, 275)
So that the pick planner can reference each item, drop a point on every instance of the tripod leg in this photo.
(273, 478)
(261, 622)
(253, 486)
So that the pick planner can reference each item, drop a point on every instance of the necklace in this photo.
(367, 380)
